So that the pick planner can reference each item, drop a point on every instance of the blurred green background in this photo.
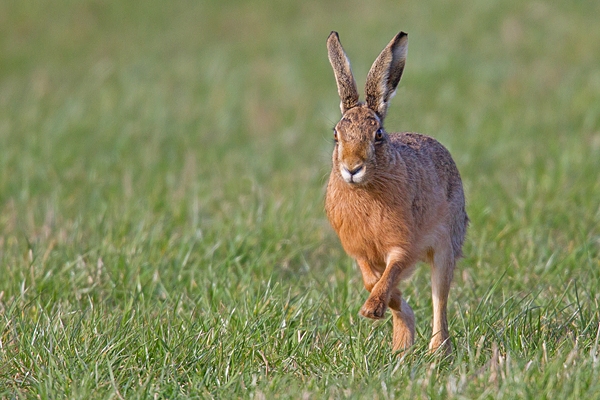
(162, 172)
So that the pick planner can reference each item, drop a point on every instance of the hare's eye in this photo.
(335, 137)
(379, 135)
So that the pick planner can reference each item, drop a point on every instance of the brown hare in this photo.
(394, 199)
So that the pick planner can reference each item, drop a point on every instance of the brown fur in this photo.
(393, 199)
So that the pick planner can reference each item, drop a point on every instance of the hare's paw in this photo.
(440, 345)
(374, 308)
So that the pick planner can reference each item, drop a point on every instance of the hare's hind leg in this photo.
(403, 319)
(442, 270)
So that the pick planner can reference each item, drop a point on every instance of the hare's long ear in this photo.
(385, 73)
(343, 73)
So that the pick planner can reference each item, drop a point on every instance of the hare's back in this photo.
(421, 151)
(429, 162)
(435, 164)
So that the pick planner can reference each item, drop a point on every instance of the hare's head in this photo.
(361, 141)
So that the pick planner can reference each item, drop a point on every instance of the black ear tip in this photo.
(400, 37)
(333, 33)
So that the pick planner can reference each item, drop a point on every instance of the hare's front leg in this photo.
(442, 270)
(370, 278)
(403, 317)
(397, 267)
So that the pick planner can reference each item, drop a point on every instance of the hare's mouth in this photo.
(354, 175)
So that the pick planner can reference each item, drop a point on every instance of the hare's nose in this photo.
(354, 170)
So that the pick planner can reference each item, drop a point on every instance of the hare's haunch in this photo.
(394, 199)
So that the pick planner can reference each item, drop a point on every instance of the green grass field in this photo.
(162, 174)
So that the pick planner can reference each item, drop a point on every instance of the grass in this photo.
(162, 170)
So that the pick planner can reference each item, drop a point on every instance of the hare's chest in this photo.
(362, 230)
